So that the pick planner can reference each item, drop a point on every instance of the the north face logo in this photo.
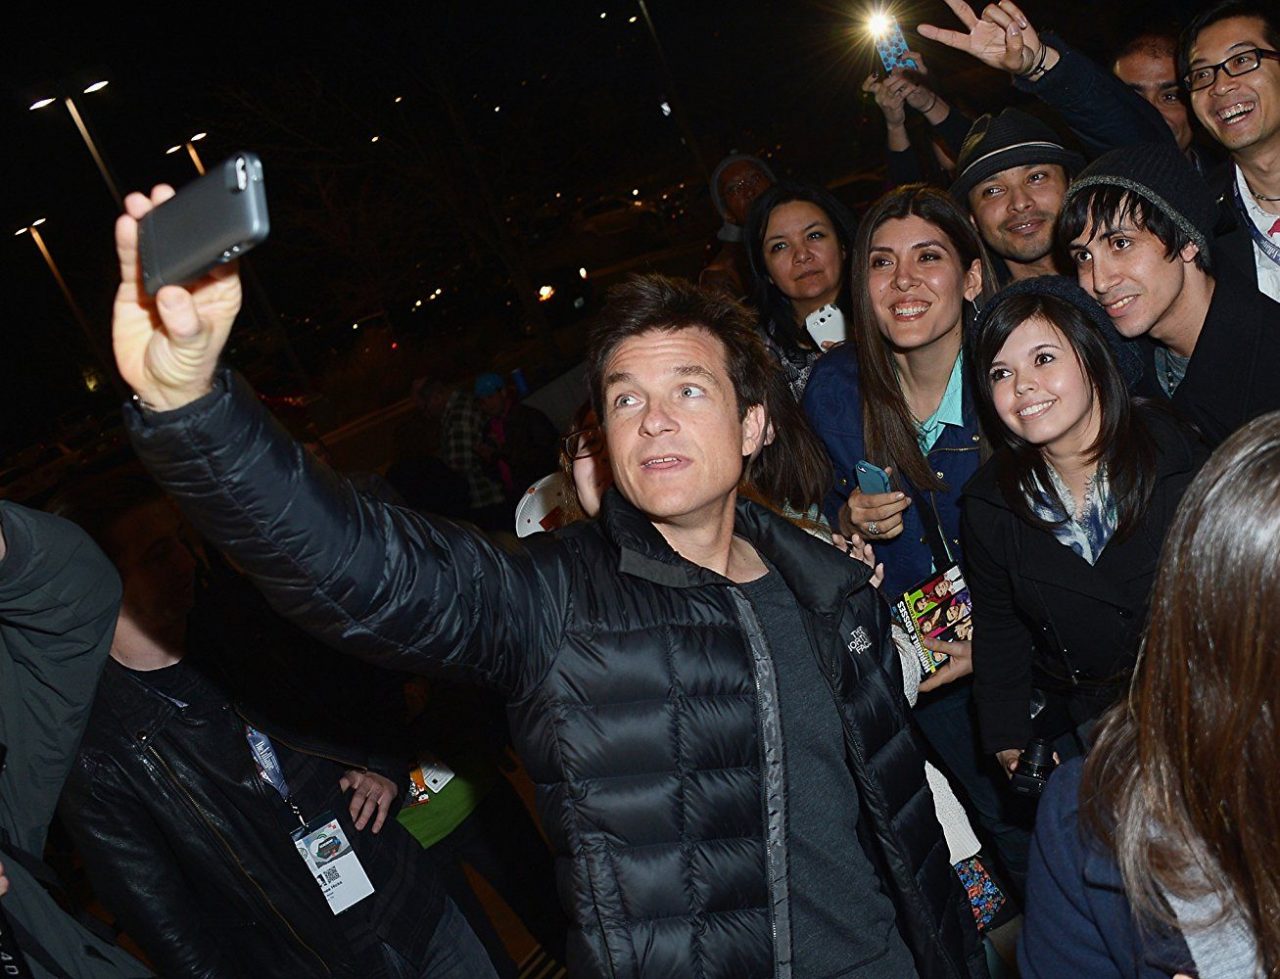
(859, 641)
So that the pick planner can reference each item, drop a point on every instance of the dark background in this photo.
(362, 228)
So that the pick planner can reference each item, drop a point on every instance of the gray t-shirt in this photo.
(843, 924)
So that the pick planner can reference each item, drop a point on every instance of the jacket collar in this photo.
(820, 577)
(139, 711)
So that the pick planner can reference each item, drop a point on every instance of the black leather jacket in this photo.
(641, 695)
(191, 848)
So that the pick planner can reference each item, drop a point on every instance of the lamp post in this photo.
(94, 344)
(83, 129)
(191, 151)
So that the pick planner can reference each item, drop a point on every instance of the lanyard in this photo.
(268, 762)
(1264, 244)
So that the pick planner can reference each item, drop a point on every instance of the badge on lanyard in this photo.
(325, 849)
(426, 780)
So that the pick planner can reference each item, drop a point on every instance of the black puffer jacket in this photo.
(641, 696)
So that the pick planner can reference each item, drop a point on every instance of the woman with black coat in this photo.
(1062, 527)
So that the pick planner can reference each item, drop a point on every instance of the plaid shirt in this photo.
(461, 430)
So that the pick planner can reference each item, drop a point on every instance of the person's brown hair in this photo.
(1183, 782)
(889, 428)
(793, 469)
(645, 303)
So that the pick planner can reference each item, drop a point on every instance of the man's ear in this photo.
(754, 425)
(1189, 252)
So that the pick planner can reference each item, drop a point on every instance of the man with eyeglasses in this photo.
(1229, 61)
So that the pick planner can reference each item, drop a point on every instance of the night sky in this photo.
(577, 99)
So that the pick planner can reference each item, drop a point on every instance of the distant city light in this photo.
(40, 104)
(666, 108)
(439, 291)
(96, 87)
(603, 14)
(632, 19)
(497, 108)
(197, 137)
(38, 221)
(582, 273)
(417, 304)
(355, 326)
(545, 293)
(172, 149)
(635, 192)
(375, 139)
(398, 99)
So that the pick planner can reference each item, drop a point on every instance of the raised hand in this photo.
(1002, 37)
(890, 93)
(959, 662)
(167, 345)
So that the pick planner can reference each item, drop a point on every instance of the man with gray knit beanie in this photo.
(1138, 223)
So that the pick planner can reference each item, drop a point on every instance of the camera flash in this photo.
(879, 24)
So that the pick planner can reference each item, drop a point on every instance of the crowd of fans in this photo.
(859, 538)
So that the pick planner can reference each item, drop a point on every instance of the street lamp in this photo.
(94, 343)
(191, 151)
(103, 169)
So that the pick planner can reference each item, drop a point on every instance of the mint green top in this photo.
(950, 409)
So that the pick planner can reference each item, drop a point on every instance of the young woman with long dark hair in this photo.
(1063, 526)
(900, 396)
(1163, 858)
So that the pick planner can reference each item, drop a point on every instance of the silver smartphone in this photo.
(210, 221)
(826, 324)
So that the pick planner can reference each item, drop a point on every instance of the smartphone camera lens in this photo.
(242, 173)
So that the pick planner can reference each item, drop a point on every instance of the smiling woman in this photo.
(1063, 525)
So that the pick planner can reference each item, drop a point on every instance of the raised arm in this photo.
(371, 579)
(1100, 109)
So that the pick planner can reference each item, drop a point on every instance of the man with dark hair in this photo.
(195, 792)
(707, 698)
(1139, 222)
(1148, 64)
(1229, 60)
(1013, 169)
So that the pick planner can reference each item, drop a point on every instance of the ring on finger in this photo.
(873, 529)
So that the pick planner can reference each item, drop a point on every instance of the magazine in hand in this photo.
(937, 608)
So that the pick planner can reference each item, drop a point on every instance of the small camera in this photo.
(1034, 768)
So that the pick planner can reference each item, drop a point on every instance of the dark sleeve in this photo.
(402, 590)
(1002, 644)
(902, 167)
(58, 601)
(134, 874)
(1060, 935)
(822, 388)
(1101, 110)
(953, 129)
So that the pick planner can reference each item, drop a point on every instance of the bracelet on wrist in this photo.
(1038, 68)
(925, 112)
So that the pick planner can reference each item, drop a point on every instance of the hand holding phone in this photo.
(875, 509)
(167, 348)
(826, 326)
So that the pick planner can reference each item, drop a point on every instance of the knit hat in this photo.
(730, 231)
(1011, 139)
(1161, 174)
(487, 384)
(1125, 352)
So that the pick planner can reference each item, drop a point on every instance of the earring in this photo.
(974, 304)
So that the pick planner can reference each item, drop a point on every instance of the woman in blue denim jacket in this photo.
(898, 395)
